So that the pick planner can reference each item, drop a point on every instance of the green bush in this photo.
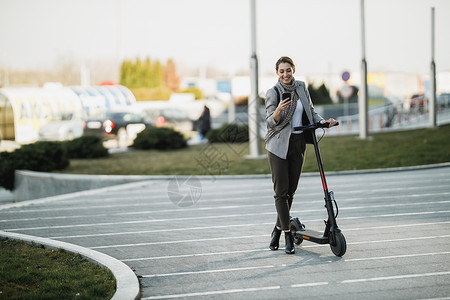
(160, 138)
(229, 133)
(7, 170)
(40, 156)
(89, 146)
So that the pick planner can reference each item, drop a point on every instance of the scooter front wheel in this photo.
(340, 245)
(293, 226)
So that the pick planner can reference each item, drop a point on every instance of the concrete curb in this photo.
(126, 281)
(72, 195)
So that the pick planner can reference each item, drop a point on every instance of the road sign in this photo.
(346, 91)
(345, 76)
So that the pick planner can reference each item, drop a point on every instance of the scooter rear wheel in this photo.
(340, 246)
(293, 226)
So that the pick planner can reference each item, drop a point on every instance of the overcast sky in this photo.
(320, 35)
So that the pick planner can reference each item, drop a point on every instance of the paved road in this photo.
(397, 226)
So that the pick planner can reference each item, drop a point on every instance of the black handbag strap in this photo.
(278, 93)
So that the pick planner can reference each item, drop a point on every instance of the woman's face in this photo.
(285, 72)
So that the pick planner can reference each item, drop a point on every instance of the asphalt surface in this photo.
(207, 238)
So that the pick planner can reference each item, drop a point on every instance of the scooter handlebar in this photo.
(315, 126)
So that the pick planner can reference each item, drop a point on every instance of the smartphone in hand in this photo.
(286, 95)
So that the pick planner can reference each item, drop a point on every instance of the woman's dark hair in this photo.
(284, 59)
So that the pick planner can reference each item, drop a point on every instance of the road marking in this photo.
(396, 256)
(215, 209)
(211, 293)
(212, 217)
(208, 271)
(163, 230)
(302, 285)
(261, 250)
(234, 225)
(145, 212)
(227, 199)
(395, 277)
(180, 241)
(195, 255)
(257, 236)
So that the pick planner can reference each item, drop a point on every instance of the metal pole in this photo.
(253, 103)
(363, 93)
(432, 102)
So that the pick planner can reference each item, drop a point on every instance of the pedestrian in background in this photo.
(285, 145)
(204, 123)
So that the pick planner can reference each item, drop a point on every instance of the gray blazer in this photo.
(279, 143)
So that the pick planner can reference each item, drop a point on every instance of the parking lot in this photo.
(208, 237)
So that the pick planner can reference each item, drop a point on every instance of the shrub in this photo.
(160, 138)
(40, 156)
(89, 146)
(7, 170)
(229, 133)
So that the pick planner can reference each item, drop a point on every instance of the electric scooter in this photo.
(332, 234)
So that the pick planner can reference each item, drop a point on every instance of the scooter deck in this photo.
(311, 235)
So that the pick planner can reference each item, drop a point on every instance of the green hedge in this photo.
(160, 138)
(40, 156)
(229, 133)
(47, 156)
(89, 146)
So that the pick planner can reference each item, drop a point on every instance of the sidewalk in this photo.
(209, 238)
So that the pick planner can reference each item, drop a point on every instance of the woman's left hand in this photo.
(331, 121)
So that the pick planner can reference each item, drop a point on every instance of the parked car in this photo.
(68, 128)
(174, 118)
(120, 125)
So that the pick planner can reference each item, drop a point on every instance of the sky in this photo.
(322, 36)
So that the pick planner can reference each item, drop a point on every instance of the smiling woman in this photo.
(286, 144)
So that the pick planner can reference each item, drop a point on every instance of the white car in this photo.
(68, 128)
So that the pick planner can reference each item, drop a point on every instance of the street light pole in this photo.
(432, 102)
(363, 93)
(253, 101)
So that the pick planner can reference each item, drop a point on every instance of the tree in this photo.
(149, 80)
(319, 95)
(171, 79)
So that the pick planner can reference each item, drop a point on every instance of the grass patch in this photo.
(382, 150)
(34, 272)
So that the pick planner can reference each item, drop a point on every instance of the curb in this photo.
(127, 284)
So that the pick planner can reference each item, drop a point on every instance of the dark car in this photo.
(174, 118)
(120, 125)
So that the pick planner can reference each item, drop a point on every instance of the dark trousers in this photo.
(285, 177)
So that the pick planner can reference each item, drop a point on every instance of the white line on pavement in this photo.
(302, 285)
(395, 277)
(303, 246)
(180, 241)
(235, 225)
(273, 266)
(213, 217)
(211, 293)
(257, 236)
(396, 256)
(209, 271)
(147, 212)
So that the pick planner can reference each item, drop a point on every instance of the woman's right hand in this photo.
(282, 106)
